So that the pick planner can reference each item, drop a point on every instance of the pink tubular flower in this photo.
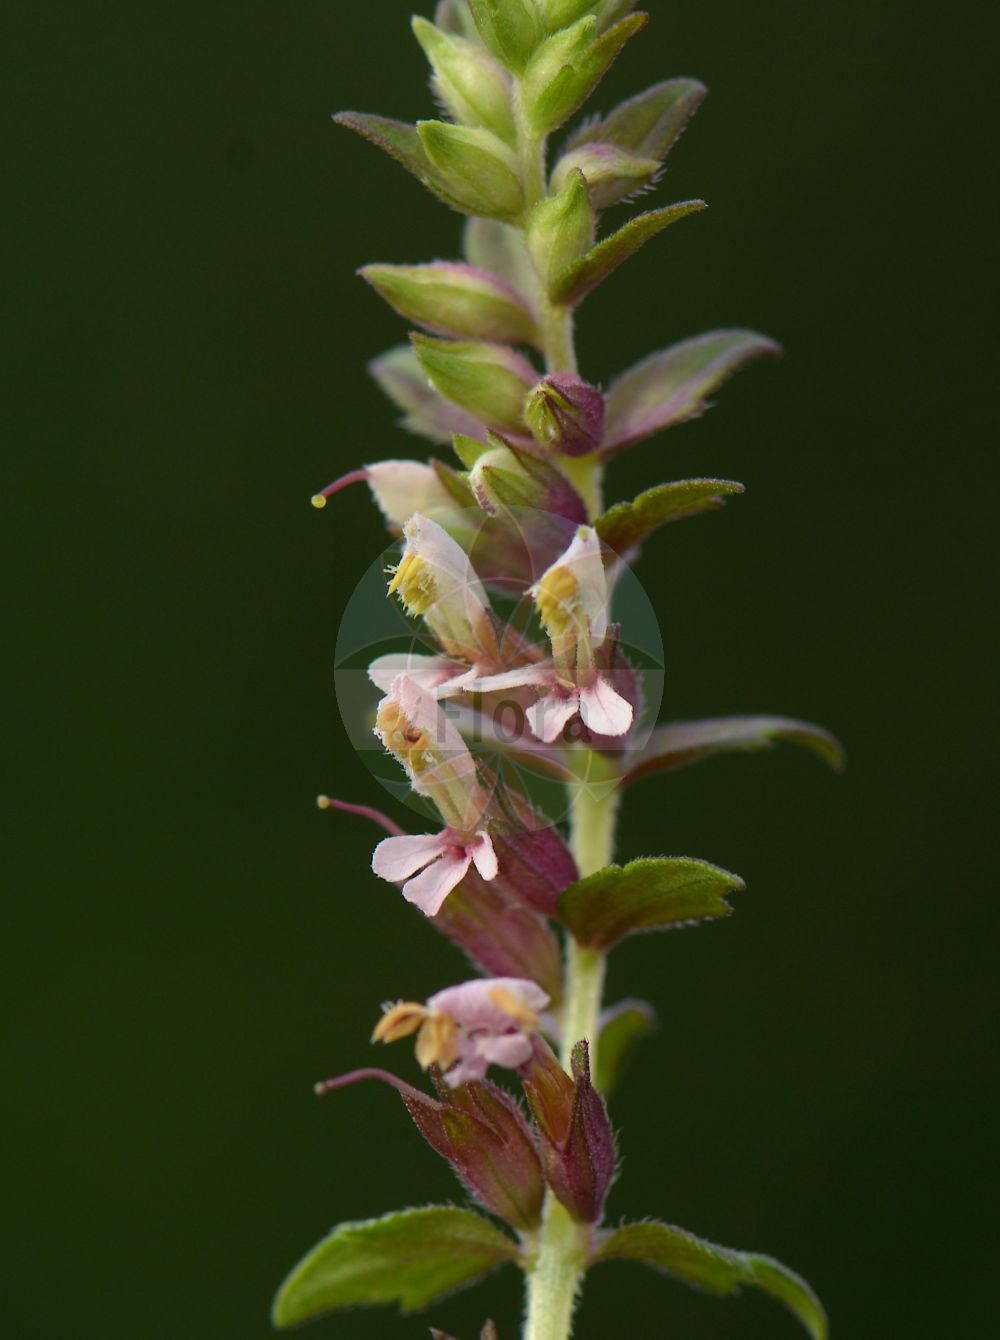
(465, 1029)
(435, 580)
(571, 597)
(415, 729)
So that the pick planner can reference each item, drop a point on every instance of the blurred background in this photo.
(192, 943)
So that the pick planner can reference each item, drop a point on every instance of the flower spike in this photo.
(508, 557)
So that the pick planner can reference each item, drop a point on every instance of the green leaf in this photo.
(672, 386)
(621, 1028)
(573, 285)
(719, 1270)
(400, 377)
(397, 138)
(680, 742)
(649, 124)
(646, 895)
(627, 524)
(409, 1258)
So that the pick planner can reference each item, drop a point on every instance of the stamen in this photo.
(399, 1021)
(517, 1010)
(555, 596)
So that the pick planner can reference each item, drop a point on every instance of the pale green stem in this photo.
(562, 1244)
(555, 1279)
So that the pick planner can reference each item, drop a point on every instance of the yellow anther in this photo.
(409, 743)
(399, 1021)
(318, 501)
(521, 1014)
(555, 598)
(324, 802)
(414, 581)
(437, 1042)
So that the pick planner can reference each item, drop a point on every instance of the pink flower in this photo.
(465, 1029)
(443, 860)
(572, 601)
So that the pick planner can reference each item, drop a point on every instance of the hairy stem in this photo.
(554, 1282)
(554, 1279)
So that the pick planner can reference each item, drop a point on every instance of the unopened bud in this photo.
(566, 415)
(510, 28)
(567, 67)
(612, 173)
(474, 167)
(578, 1146)
(453, 299)
(474, 88)
(560, 230)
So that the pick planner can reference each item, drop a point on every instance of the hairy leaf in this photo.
(627, 524)
(680, 742)
(573, 285)
(649, 124)
(425, 412)
(718, 1270)
(673, 385)
(409, 1258)
(645, 895)
(621, 1027)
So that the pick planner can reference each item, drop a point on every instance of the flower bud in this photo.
(612, 173)
(474, 168)
(504, 477)
(453, 299)
(568, 66)
(578, 1145)
(558, 14)
(479, 1129)
(649, 124)
(560, 229)
(566, 415)
(610, 11)
(474, 88)
(454, 16)
(510, 28)
(489, 381)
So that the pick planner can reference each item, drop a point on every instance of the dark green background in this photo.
(193, 944)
